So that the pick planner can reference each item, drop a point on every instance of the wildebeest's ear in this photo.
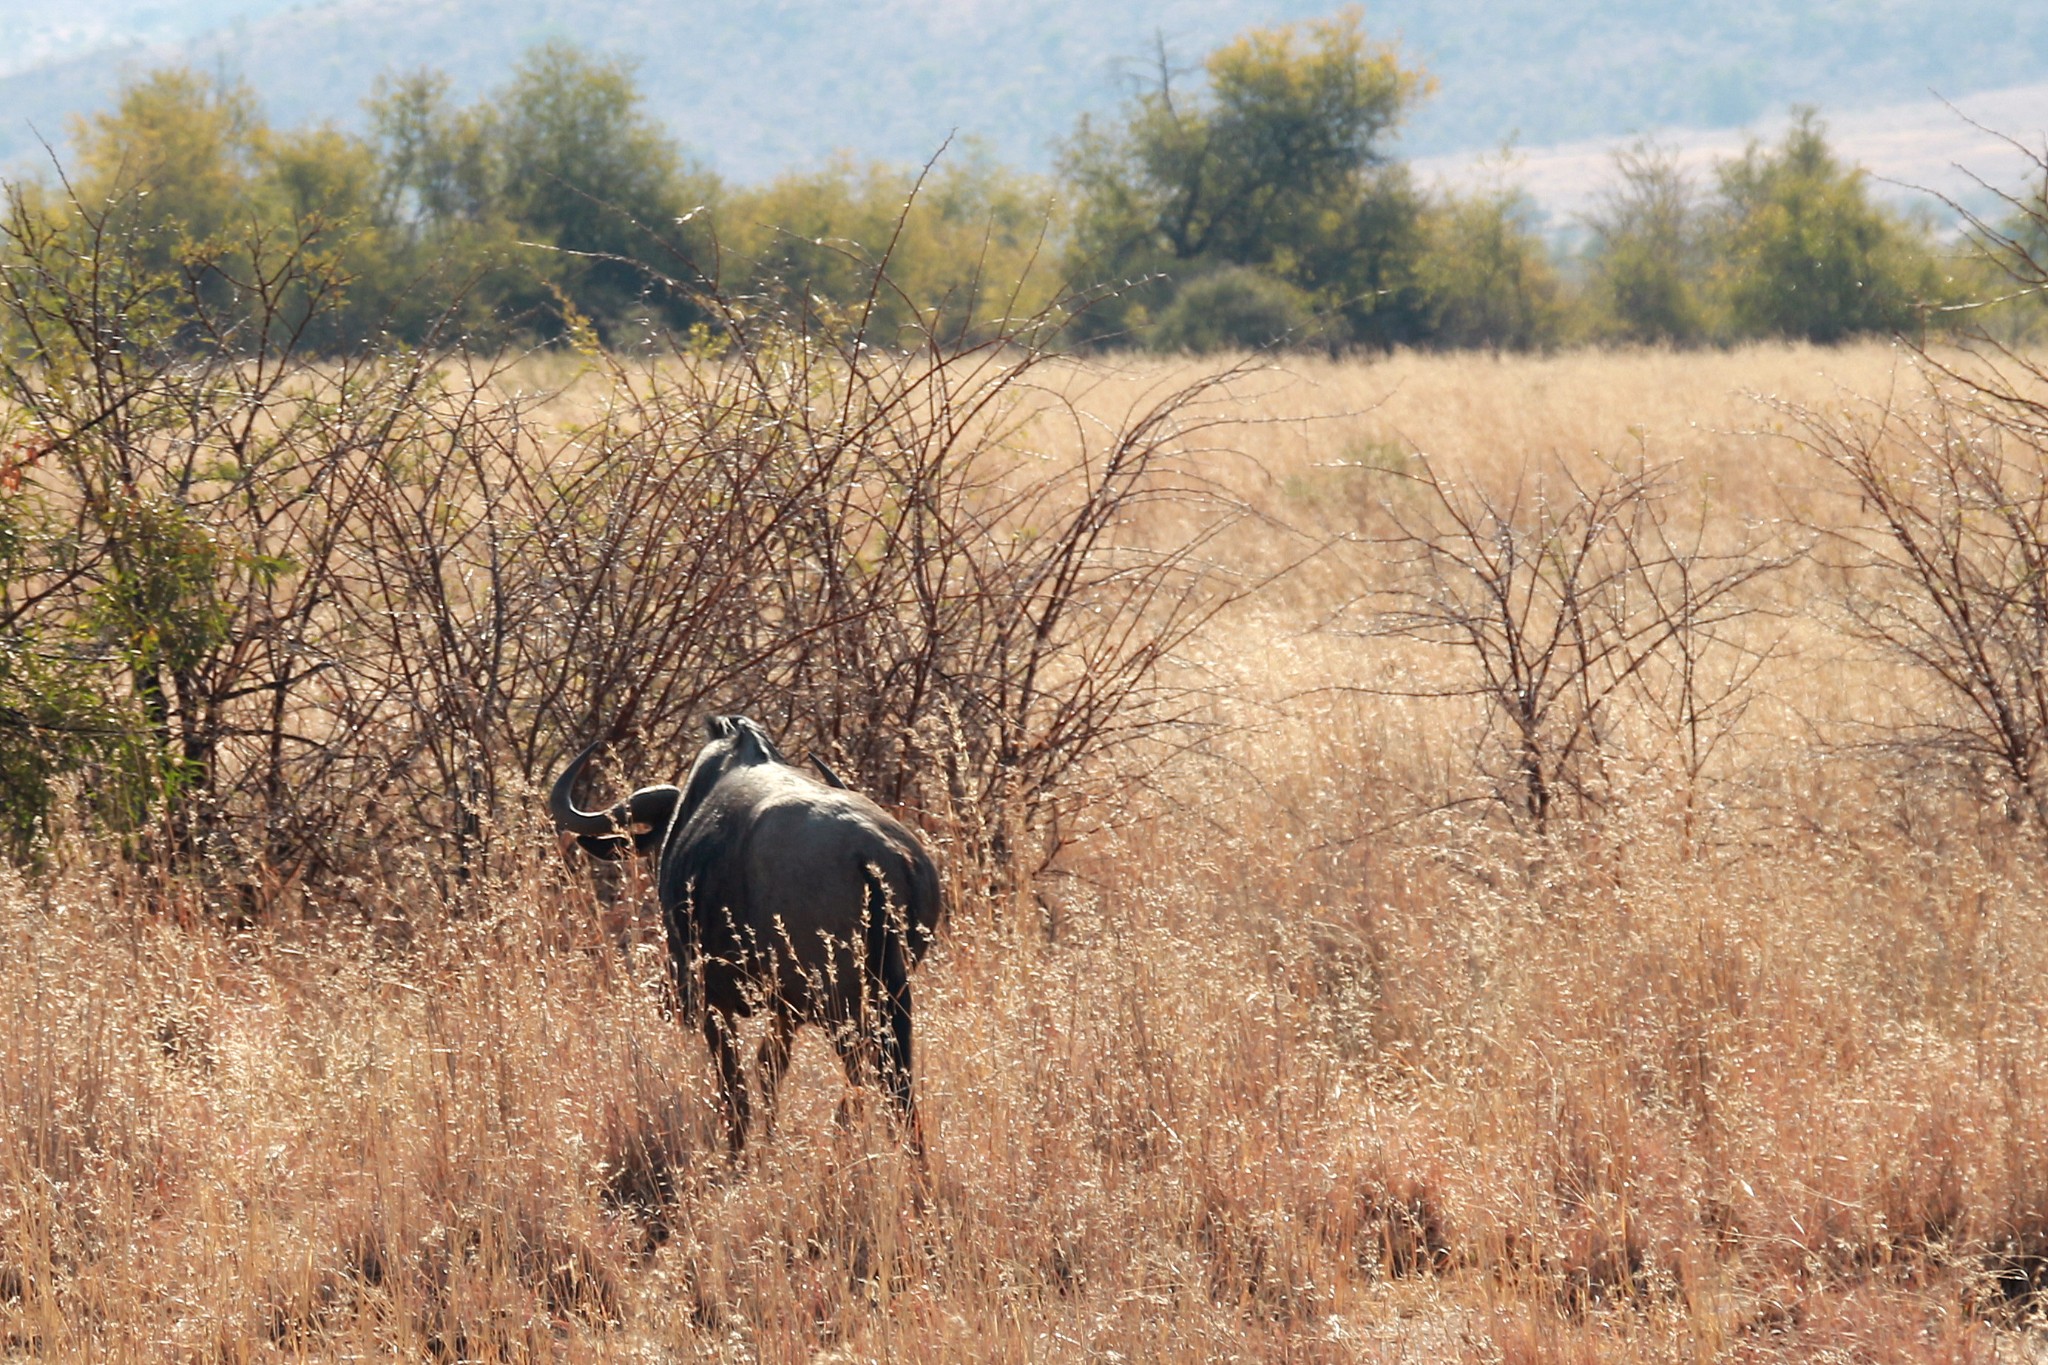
(718, 727)
(607, 847)
(752, 743)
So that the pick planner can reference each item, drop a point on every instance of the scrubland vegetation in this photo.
(1451, 855)
(1313, 1042)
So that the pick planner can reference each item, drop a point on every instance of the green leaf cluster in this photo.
(554, 195)
(1789, 246)
(1276, 163)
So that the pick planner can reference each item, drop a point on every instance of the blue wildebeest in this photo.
(779, 894)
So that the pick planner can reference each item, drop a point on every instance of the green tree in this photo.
(434, 160)
(1803, 251)
(959, 246)
(321, 187)
(1486, 274)
(188, 183)
(453, 259)
(2003, 278)
(810, 240)
(1232, 308)
(1276, 163)
(1369, 265)
(555, 199)
(582, 167)
(1647, 259)
(177, 153)
(968, 259)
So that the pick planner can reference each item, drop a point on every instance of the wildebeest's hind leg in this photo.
(772, 1061)
(721, 1033)
(879, 1048)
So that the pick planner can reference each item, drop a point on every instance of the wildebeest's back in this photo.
(780, 869)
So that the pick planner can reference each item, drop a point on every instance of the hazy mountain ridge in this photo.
(756, 90)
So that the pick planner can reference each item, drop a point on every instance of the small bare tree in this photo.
(1569, 602)
(1948, 574)
(1947, 571)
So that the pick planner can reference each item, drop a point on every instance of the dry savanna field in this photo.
(1325, 1036)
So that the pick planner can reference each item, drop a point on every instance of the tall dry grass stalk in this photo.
(1310, 1050)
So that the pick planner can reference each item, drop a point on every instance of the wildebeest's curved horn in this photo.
(832, 779)
(562, 807)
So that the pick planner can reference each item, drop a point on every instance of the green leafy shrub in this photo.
(1803, 251)
(961, 243)
(1486, 273)
(1648, 258)
(1235, 308)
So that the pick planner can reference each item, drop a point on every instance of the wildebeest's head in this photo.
(641, 820)
(730, 742)
(645, 817)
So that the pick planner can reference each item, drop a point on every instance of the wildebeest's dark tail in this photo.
(890, 953)
(924, 907)
(904, 898)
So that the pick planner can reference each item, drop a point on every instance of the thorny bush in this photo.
(1947, 566)
(306, 612)
(1594, 621)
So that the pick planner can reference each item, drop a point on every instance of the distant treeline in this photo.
(1257, 204)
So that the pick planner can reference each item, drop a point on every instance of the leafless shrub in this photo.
(1947, 570)
(1945, 575)
(329, 608)
(1570, 599)
(982, 616)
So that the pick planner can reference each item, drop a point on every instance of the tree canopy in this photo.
(1254, 200)
(1277, 161)
(1806, 253)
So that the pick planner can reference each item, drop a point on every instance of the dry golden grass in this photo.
(1282, 1067)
